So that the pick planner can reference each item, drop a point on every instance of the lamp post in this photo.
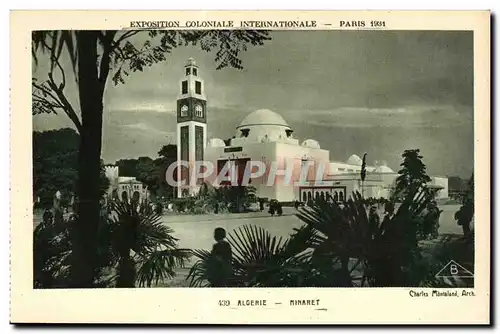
(363, 175)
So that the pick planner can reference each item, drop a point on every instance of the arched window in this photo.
(198, 111)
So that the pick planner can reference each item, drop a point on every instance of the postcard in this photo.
(250, 167)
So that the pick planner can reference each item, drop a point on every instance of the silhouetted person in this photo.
(279, 208)
(159, 208)
(431, 220)
(73, 217)
(48, 217)
(373, 221)
(387, 221)
(261, 204)
(272, 207)
(464, 217)
(222, 255)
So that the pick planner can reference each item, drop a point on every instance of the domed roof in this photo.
(263, 117)
(216, 142)
(311, 143)
(383, 169)
(355, 160)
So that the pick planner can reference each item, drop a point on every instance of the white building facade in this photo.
(265, 136)
(124, 187)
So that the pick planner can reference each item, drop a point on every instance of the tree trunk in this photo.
(126, 272)
(84, 261)
(346, 276)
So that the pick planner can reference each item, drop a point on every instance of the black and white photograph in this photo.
(252, 158)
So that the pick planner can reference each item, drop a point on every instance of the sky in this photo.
(379, 92)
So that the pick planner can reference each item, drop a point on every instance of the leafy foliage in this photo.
(466, 212)
(140, 240)
(237, 198)
(94, 55)
(337, 247)
(412, 175)
(150, 171)
(259, 260)
(134, 248)
(458, 249)
(55, 163)
(228, 43)
(51, 248)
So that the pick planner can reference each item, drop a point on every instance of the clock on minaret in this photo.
(191, 127)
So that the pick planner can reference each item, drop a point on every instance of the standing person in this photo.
(431, 220)
(435, 214)
(73, 217)
(58, 213)
(373, 221)
(261, 204)
(279, 208)
(47, 216)
(272, 207)
(222, 255)
(387, 221)
(464, 217)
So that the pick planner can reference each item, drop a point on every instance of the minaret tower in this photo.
(191, 125)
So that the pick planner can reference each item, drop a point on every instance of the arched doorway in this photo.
(341, 196)
(336, 197)
(136, 196)
(322, 196)
(304, 197)
(309, 198)
(124, 196)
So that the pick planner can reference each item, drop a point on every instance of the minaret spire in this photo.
(191, 125)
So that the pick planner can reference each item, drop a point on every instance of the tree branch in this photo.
(107, 41)
(46, 91)
(67, 107)
(56, 61)
(46, 102)
(123, 37)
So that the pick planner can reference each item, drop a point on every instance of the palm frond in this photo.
(137, 227)
(159, 265)
(51, 250)
(202, 272)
